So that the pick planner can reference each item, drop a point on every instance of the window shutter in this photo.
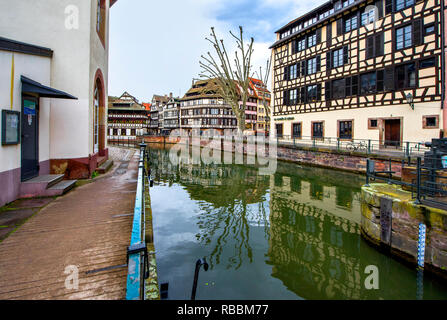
(379, 80)
(379, 44)
(329, 34)
(319, 92)
(328, 60)
(417, 32)
(355, 85)
(293, 46)
(318, 63)
(298, 70)
(348, 87)
(286, 73)
(303, 95)
(370, 47)
(389, 79)
(388, 6)
(345, 55)
(379, 5)
(327, 90)
(339, 27)
(318, 33)
(286, 97)
(303, 68)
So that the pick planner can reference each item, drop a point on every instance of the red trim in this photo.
(102, 109)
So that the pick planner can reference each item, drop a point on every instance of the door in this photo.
(96, 122)
(392, 132)
(30, 138)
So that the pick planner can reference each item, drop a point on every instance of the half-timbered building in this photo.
(361, 69)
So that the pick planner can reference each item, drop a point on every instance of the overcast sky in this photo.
(155, 45)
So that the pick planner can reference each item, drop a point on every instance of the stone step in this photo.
(105, 166)
(61, 188)
(47, 179)
(36, 187)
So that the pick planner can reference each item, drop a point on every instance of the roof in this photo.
(125, 99)
(311, 14)
(112, 2)
(31, 86)
(17, 46)
(203, 89)
(160, 99)
(147, 106)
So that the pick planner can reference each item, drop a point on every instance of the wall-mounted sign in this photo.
(10, 127)
(29, 107)
(280, 119)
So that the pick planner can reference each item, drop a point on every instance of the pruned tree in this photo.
(233, 79)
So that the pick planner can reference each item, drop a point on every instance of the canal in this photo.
(291, 235)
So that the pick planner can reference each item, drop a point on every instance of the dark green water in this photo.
(291, 235)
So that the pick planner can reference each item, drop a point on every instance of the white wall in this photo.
(43, 23)
(39, 69)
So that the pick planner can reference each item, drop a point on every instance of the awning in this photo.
(31, 86)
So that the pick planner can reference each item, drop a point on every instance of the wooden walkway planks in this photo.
(83, 229)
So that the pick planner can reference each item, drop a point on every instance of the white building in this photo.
(46, 45)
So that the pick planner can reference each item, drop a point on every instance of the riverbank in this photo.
(314, 156)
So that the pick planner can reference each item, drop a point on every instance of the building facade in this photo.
(54, 49)
(127, 118)
(263, 97)
(361, 70)
(202, 108)
(156, 114)
(171, 115)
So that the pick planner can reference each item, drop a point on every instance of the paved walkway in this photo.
(88, 228)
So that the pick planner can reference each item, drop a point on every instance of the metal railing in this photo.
(428, 184)
(137, 255)
(129, 142)
(362, 146)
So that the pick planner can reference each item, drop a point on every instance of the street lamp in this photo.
(410, 100)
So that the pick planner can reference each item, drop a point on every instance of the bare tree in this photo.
(233, 79)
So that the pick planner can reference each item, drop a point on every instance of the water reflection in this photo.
(294, 234)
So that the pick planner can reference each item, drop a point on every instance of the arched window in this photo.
(96, 120)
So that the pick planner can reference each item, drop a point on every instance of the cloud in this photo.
(155, 46)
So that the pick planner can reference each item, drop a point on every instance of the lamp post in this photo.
(409, 97)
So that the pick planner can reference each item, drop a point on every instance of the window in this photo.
(430, 122)
(345, 129)
(293, 95)
(100, 19)
(317, 130)
(404, 37)
(313, 65)
(368, 17)
(301, 44)
(427, 63)
(368, 83)
(403, 4)
(314, 93)
(372, 124)
(374, 46)
(296, 130)
(279, 130)
(337, 60)
(312, 40)
(429, 29)
(405, 76)
(293, 72)
(351, 23)
(338, 89)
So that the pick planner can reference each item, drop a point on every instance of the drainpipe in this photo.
(443, 73)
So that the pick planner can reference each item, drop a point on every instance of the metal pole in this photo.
(367, 172)
(418, 181)
(369, 146)
(199, 263)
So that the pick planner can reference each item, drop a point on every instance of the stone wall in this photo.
(405, 219)
(328, 158)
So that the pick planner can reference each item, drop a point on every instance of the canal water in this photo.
(291, 235)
